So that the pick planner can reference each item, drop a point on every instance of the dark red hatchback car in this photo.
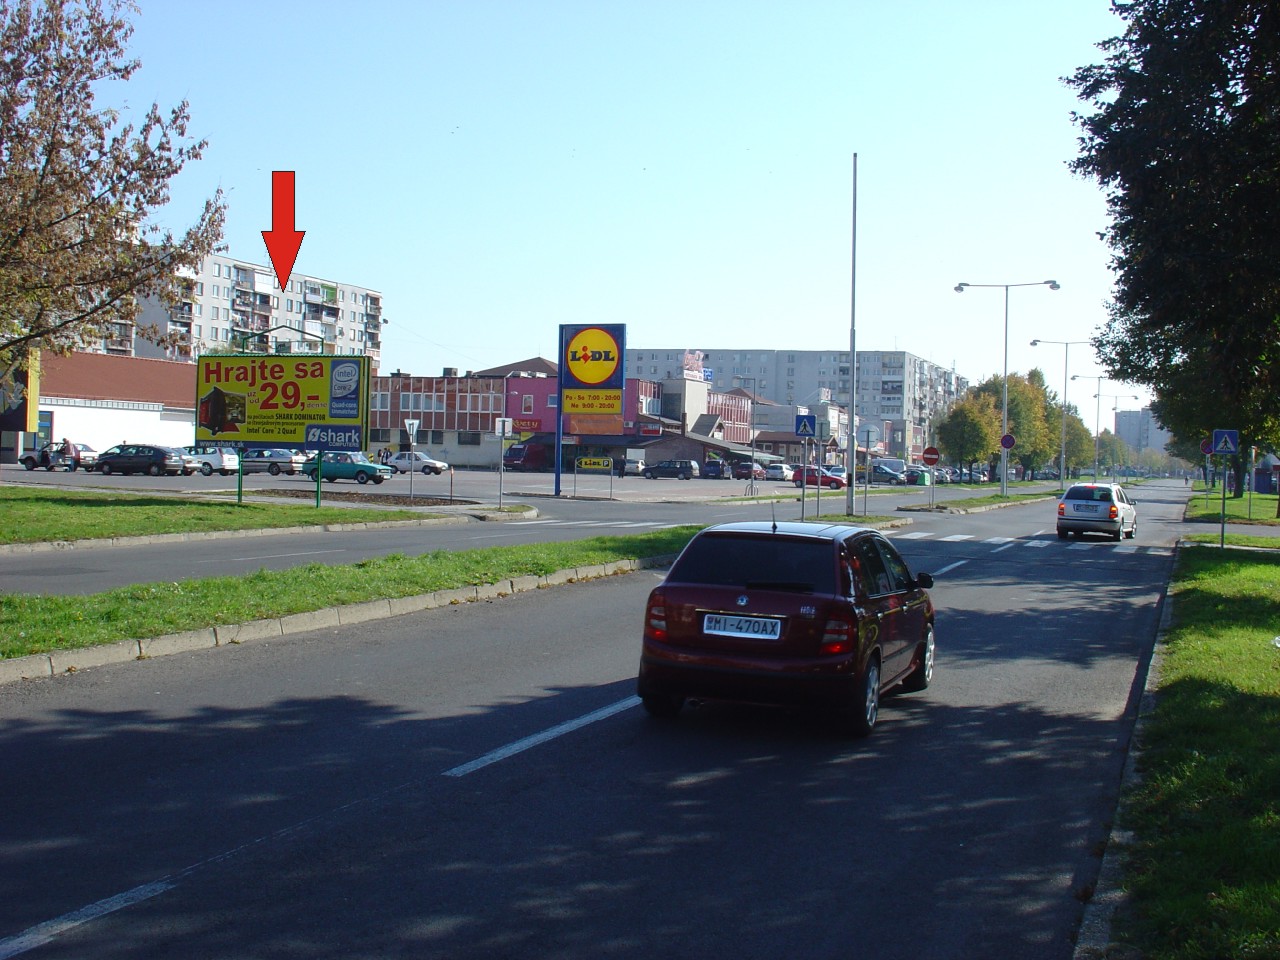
(790, 614)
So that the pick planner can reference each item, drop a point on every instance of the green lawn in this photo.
(1206, 506)
(35, 624)
(1204, 875)
(43, 515)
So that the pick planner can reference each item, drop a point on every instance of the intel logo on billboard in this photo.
(322, 436)
(344, 389)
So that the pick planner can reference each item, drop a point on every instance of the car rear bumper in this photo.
(1070, 525)
(826, 683)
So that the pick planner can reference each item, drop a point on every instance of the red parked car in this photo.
(787, 613)
(812, 476)
(747, 470)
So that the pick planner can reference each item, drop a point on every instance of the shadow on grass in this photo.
(1203, 875)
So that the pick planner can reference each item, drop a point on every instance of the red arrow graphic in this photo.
(282, 240)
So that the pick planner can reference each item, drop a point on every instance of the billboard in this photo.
(591, 368)
(313, 403)
(20, 396)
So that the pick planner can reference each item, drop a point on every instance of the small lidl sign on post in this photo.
(806, 425)
(1226, 442)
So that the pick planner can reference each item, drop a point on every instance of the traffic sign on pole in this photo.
(1226, 442)
(930, 456)
(806, 425)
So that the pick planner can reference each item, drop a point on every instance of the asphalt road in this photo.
(627, 505)
(477, 781)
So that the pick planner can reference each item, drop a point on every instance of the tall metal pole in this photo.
(851, 452)
(1004, 419)
(1004, 415)
(1062, 456)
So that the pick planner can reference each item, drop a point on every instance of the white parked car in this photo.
(779, 471)
(634, 468)
(224, 460)
(273, 460)
(419, 460)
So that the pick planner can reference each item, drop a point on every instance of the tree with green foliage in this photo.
(78, 186)
(971, 431)
(1184, 135)
(1033, 443)
(1079, 444)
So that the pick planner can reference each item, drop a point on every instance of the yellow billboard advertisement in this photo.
(312, 403)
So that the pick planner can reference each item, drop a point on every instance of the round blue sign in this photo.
(1007, 441)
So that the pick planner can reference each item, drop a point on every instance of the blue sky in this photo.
(498, 168)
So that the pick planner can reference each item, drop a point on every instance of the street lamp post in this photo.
(1117, 397)
(1097, 417)
(1062, 458)
(1004, 416)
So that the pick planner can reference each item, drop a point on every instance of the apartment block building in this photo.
(1140, 430)
(234, 305)
(896, 389)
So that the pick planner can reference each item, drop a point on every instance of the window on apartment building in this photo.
(199, 309)
(275, 303)
(288, 306)
(379, 400)
(199, 289)
(526, 403)
(437, 437)
(195, 330)
(468, 438)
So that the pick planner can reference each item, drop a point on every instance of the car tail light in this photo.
(1062, 509)
(1113, 512)
(655, 619)
(838, 637)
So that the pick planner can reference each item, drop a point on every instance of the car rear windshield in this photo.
(759, 562)
(1088, 493)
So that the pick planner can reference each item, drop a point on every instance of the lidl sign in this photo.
(592, 374)
(317, 403)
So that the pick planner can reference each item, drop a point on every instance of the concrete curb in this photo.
(1093, 942)
(944, 508)
(61, 662)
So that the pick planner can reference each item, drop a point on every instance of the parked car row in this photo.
(159, 460)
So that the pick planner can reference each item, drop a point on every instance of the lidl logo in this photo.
(592, 356)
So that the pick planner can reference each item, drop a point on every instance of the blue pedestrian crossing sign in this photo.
(806, 425)
(1226, 441)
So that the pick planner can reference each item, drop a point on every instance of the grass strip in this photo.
(1260, 509)
(41, 515)
(1204, 875)
(994, 499)
(38, 624)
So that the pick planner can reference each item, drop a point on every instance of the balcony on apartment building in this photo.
(373, 307)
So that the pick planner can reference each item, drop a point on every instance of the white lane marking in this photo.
(1005, 547)
(530, 523)
(957, 537)
(560, 730)
(1037, 543)
(917, 535)
(999, 540)
(42, 933)
(950, 567)
(273, 556)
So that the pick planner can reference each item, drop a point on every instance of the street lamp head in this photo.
(1035, 343)
(960, 287)
(1053, 284)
